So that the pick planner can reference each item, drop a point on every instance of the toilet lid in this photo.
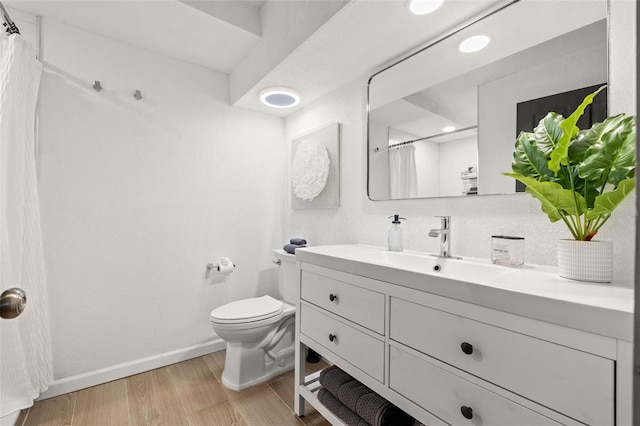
(247, 310)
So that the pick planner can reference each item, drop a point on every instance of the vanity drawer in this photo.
(572, 382)
(357, 304)
(444, 394)
(363, 351)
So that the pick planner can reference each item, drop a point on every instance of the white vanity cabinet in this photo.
(449, 361)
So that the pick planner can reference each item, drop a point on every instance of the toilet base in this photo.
(230, 377)
(248, 364)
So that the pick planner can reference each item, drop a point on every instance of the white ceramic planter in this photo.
(586, 260)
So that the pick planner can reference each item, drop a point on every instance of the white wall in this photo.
(456, 157)
(623, 41)
(360, 220)
(138, 196)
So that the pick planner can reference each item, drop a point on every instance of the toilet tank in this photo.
(288, 276)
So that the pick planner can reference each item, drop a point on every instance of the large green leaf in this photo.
(607, 202)
(528, 160)
(548, 132)
(559, 156)
(582, 142)
(556, 201)
(612, 155)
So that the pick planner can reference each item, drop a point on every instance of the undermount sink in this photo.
(451, 268)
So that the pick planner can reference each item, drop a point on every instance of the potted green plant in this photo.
(580, 177)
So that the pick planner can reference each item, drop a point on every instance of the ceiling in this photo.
(312, 46)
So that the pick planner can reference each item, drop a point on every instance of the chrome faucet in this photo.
(445, 234)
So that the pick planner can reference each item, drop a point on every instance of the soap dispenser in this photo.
(396, 242)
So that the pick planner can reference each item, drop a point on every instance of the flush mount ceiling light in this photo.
(279, 97)
(423, 7)
(473, 44)
(448, 129)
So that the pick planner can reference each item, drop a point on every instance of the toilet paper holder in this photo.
(216, 266)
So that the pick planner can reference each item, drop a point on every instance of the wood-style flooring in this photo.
(189, 393)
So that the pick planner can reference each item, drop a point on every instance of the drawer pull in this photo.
(467, 412)
(332, 337)
(467, 348)
(333, 297)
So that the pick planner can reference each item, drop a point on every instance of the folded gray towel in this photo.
(333, 377)
(380, 412)
(349, 393)
(298, 241)
(339, 409)
(363, 401)
(291, 248)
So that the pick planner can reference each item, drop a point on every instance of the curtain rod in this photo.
(11, 27)
(397, 145)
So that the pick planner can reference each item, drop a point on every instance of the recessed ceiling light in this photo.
(279, 97)
(422, 7)
(473, 44)
(448, 129)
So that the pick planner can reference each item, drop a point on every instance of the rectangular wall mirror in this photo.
(443, 123)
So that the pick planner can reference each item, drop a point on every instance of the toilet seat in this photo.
(247, 310)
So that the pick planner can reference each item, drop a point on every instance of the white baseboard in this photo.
(119, 371)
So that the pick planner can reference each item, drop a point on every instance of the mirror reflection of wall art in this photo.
(315, 169)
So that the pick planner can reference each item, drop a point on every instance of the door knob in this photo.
(12, 303)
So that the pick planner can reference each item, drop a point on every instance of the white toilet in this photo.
(259, 331)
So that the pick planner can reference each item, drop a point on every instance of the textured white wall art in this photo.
(315, 169)
(309, 169)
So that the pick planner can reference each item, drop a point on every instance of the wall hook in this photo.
(97, 86)
(137, 95)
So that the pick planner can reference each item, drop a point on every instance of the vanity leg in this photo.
(298, 400)
(299, 366)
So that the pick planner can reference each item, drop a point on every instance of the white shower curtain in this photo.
(25, 342)
(403, 180)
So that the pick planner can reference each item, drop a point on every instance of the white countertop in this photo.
(532, 291)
